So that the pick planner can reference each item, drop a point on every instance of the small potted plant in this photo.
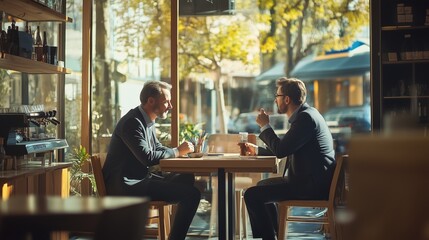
(80, 158)
(194, 134)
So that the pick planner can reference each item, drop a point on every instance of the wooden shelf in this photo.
(29, 10)
(406, 27)
(30, 66)
(407, 61)
(405, 97)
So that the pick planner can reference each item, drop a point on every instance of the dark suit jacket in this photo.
(309, 147)
(132, 150)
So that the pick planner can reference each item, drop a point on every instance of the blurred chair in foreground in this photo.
(389, 182)
(159, 211)
(123, 223)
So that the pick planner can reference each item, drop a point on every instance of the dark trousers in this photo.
(174, 188)
(261, 203)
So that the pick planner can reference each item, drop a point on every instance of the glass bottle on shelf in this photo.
(8, 39)
(12, 33)
(38, 45)
(45, 48)
(2, 36)
(3, 43)
(16, 42)
(11, 38)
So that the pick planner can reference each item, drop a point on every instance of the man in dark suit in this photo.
(308, 146)
(133, 151)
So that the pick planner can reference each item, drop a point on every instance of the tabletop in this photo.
(228, 162)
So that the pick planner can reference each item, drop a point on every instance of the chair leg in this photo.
(213, 214)
(283, 214)
(244, 217)
(238, 213)
(332, 228)
(161, 223)
(168, 215)
(240, 217)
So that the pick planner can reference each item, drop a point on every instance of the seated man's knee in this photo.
(186, 178)
(249, 193)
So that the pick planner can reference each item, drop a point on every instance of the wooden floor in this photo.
(199, 229)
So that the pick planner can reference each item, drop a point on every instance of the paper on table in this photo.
(224, 154)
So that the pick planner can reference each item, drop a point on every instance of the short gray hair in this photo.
(153, 89)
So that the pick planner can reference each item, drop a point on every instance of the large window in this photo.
(73, 81)
(220, 58)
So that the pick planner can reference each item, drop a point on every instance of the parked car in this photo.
(246, 122)
(358, 118)
(345, 121)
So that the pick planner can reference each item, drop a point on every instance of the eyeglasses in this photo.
(280, 95)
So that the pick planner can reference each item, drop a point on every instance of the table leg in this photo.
(231, 206)
(221, 216)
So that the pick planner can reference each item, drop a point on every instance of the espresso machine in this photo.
(24, 134)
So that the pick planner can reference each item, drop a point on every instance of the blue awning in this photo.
(272, 73)
(311, 68)
(354, 65)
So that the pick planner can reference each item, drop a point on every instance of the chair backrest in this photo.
(97, 162)
(338, 175)
(97, 166)
(226, 143)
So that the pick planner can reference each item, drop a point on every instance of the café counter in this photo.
(37, 179)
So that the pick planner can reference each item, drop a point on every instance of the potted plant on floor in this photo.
(80, 159)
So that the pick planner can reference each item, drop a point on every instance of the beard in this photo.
(163, 115)
(282, 110)
(160, 113)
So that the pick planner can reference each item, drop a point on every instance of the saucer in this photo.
(195, 155)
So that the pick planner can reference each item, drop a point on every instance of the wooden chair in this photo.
(227, 143)
(159, 210)
(284, 207)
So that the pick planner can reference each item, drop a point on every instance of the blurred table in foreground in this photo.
(39, 216)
